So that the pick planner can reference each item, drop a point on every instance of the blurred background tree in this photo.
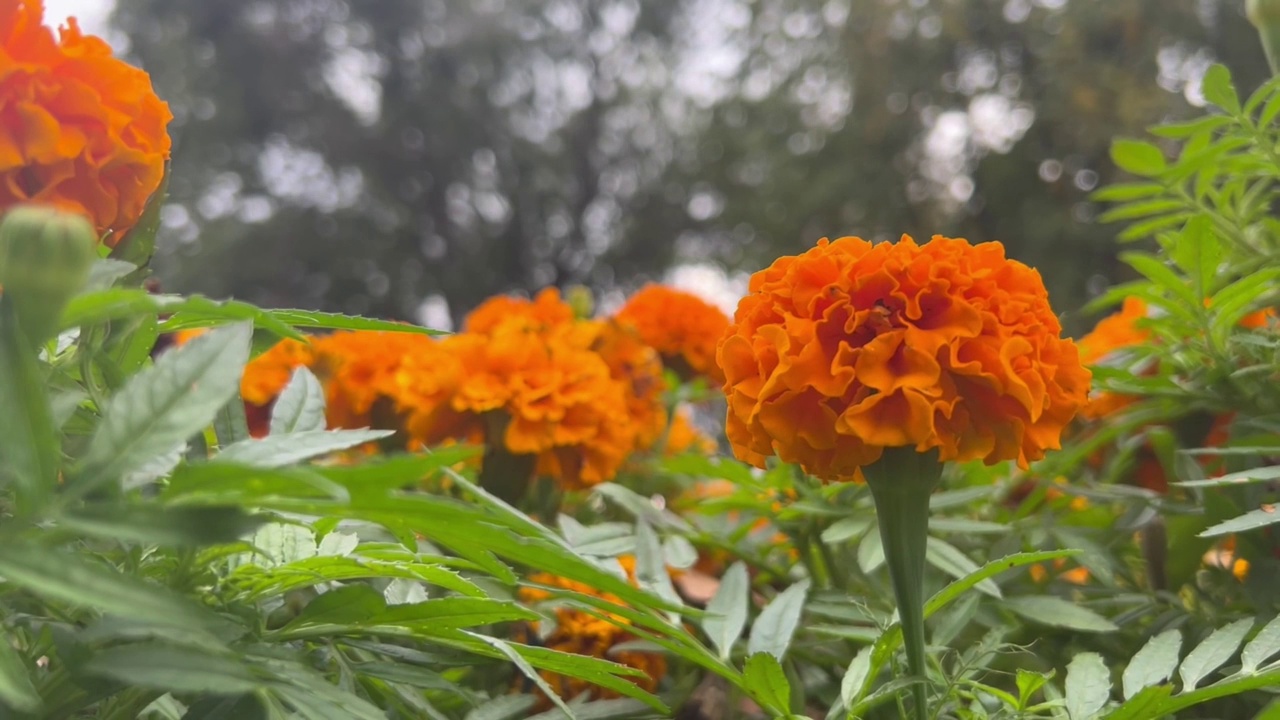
(403, 157)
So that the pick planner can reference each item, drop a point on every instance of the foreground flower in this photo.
(851, 348)
(583, 633)
(679, 325)
(887, 360)
(79, 129)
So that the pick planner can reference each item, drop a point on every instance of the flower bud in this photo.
(1265, 15)
(580, 299)
(45, 257)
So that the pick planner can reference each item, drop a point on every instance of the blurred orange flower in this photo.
(558, 401)
(79, 129)
(679, 325)
(639, 369)
(1109, 339)
(583, 633)
(685, 437)
(359, 368)
(544, 312)
(850, 348)
(267, 375)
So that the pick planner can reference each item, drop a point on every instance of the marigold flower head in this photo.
(79, 128)
(544, 312)
(583, 633)
(681, 326)
(639, 369)
(850, 348)
(1108, 340)
(267, 375)
(361, 367)
(560, 401)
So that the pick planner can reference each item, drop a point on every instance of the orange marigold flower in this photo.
(850, 348)
(545, 311)
(681, 326)
(583, 633)
(558, 400)
(359, 368)
(1112, 336)
(267, 375)
(639, 369)
(79, 128)
(685, 437)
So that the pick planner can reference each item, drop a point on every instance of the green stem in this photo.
(901, 482)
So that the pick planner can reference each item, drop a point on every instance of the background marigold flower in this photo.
(583, 633)
(559, 401)
(545, 311)
(79, 129)
(851, 348)
(267, 375)
(638, 368)
(681, 326)
(359, 368)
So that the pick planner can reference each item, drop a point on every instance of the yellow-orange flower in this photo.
(681, 326)
(583, 633)
(558, 401)
(1113, 335)
(544, 312)
(79, 128)
(639, 369)
(361, 367)
(267, 375)
(850, 348)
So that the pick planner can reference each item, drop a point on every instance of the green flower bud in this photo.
(45, 258)
(1265, 15)
(580, 299)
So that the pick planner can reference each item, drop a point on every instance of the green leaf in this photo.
(504, 707)
(1243, 477)
(947, 558)
(1143, 706)
(1153, 664)
(965, 526)
(167, 403)
(105, 272)
(1262, 517)
(29, 448)
(276, 451)
(79, 582)
(1145, 208)
(855, 678)
(1028, 683)
(300, 406)
(221, 483)
(727, 611)
(1138, 157)
(772, 631)
(870, 552)
(1212, 653)
(1057, 612)
(1125, 192)
(172, 668)
(1157, 272)
(1177, 131)
(161, 525)
(231, 425)
(1088, 686)
(527, 670)
(767, 683)
(16, 688)
(845, 529)
(1219, 90)
(651, 568)
(312, 320)
(1263, 645)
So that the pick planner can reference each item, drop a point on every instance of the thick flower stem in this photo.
(900, 483)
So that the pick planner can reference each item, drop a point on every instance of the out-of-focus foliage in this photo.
(364, 156)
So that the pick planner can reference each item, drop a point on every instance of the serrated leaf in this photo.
(1057, 612)
(947, 558)
(167, 403)
(1138, 157)
(773, 629)
(156, 524)
(1262, 517)
(1143, 706)
(314, 320)
(1088, 686)
(845, 529)
(1219, 90)
(79, 582)
(276, 451)
(1212, 653)
(1028, 683)
(29, 448)
(504, 707)
(105, 272)
(173, 668)
(300, 406)
(1153, 664)
(767, 683)
(280, 543)
(727, 611)
(527, 670)
(16, 689)
(1263, 645)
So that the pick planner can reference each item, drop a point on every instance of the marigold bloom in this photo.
(267, 375)
(544, 312)
(685, 437)
(637, 367)
(851, 348)
(681, 326)
(583, 633)
(560, 401)
(1108, 340)
(79, 128)
(359, 368)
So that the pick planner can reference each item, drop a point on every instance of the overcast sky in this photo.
(92, 14)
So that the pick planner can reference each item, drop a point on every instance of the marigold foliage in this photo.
(79, 129)
(681, 326)
(850, 347)
(583, 633)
